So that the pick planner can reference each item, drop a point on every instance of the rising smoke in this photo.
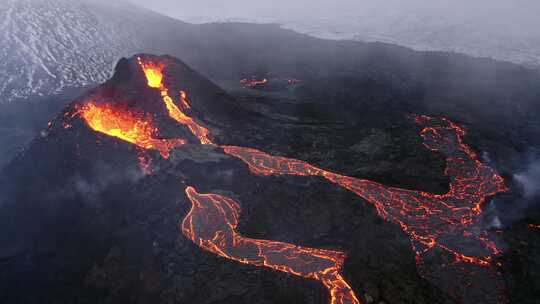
(529, 180)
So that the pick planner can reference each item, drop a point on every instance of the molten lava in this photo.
(534, 226)
(426, 218)
(211, 224)
(253, 82)
(127, 126)
(154, 76)
(432, 221)
(435, 223)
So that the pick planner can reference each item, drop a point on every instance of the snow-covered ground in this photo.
(50, 45)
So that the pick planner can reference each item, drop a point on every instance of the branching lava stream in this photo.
(425, 217)
(428, 219)
(211, 224)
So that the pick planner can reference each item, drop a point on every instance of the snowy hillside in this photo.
(57, 44)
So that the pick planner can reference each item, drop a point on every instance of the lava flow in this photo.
(211, 224)
(154, 76)
(427, 218)
(253, 82)
(432, 221)
(126, 125)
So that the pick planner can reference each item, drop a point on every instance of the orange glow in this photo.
(534, 226)
(127, 126)
(432, 221)
(197, 130)
(211, 224)
(154, 76)
(425, 217)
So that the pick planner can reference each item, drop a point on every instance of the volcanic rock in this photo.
(84, 223)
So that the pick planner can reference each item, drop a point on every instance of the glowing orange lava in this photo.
(154, 76)
(534, 226)
(427, 218)
(211, 224)
(127, 126)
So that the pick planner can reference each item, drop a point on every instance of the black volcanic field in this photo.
(82, 224)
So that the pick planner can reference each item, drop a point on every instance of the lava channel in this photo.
(432, 221)
(154, 76)
(211, 224)
(129, 126)
(427, 218)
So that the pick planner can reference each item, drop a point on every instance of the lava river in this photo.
(211, 223)
(154, 75)
(212, 220)
(425, 217)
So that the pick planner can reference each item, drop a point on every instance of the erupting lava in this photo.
(427, 218)
(211, 224)
(154, 76)
(126, 125)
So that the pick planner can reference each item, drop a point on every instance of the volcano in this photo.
(160, 186)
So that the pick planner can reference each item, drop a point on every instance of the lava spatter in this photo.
(135, 128)
(211, 224)
(154, 76)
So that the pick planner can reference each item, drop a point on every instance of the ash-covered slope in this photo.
(87, 222)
